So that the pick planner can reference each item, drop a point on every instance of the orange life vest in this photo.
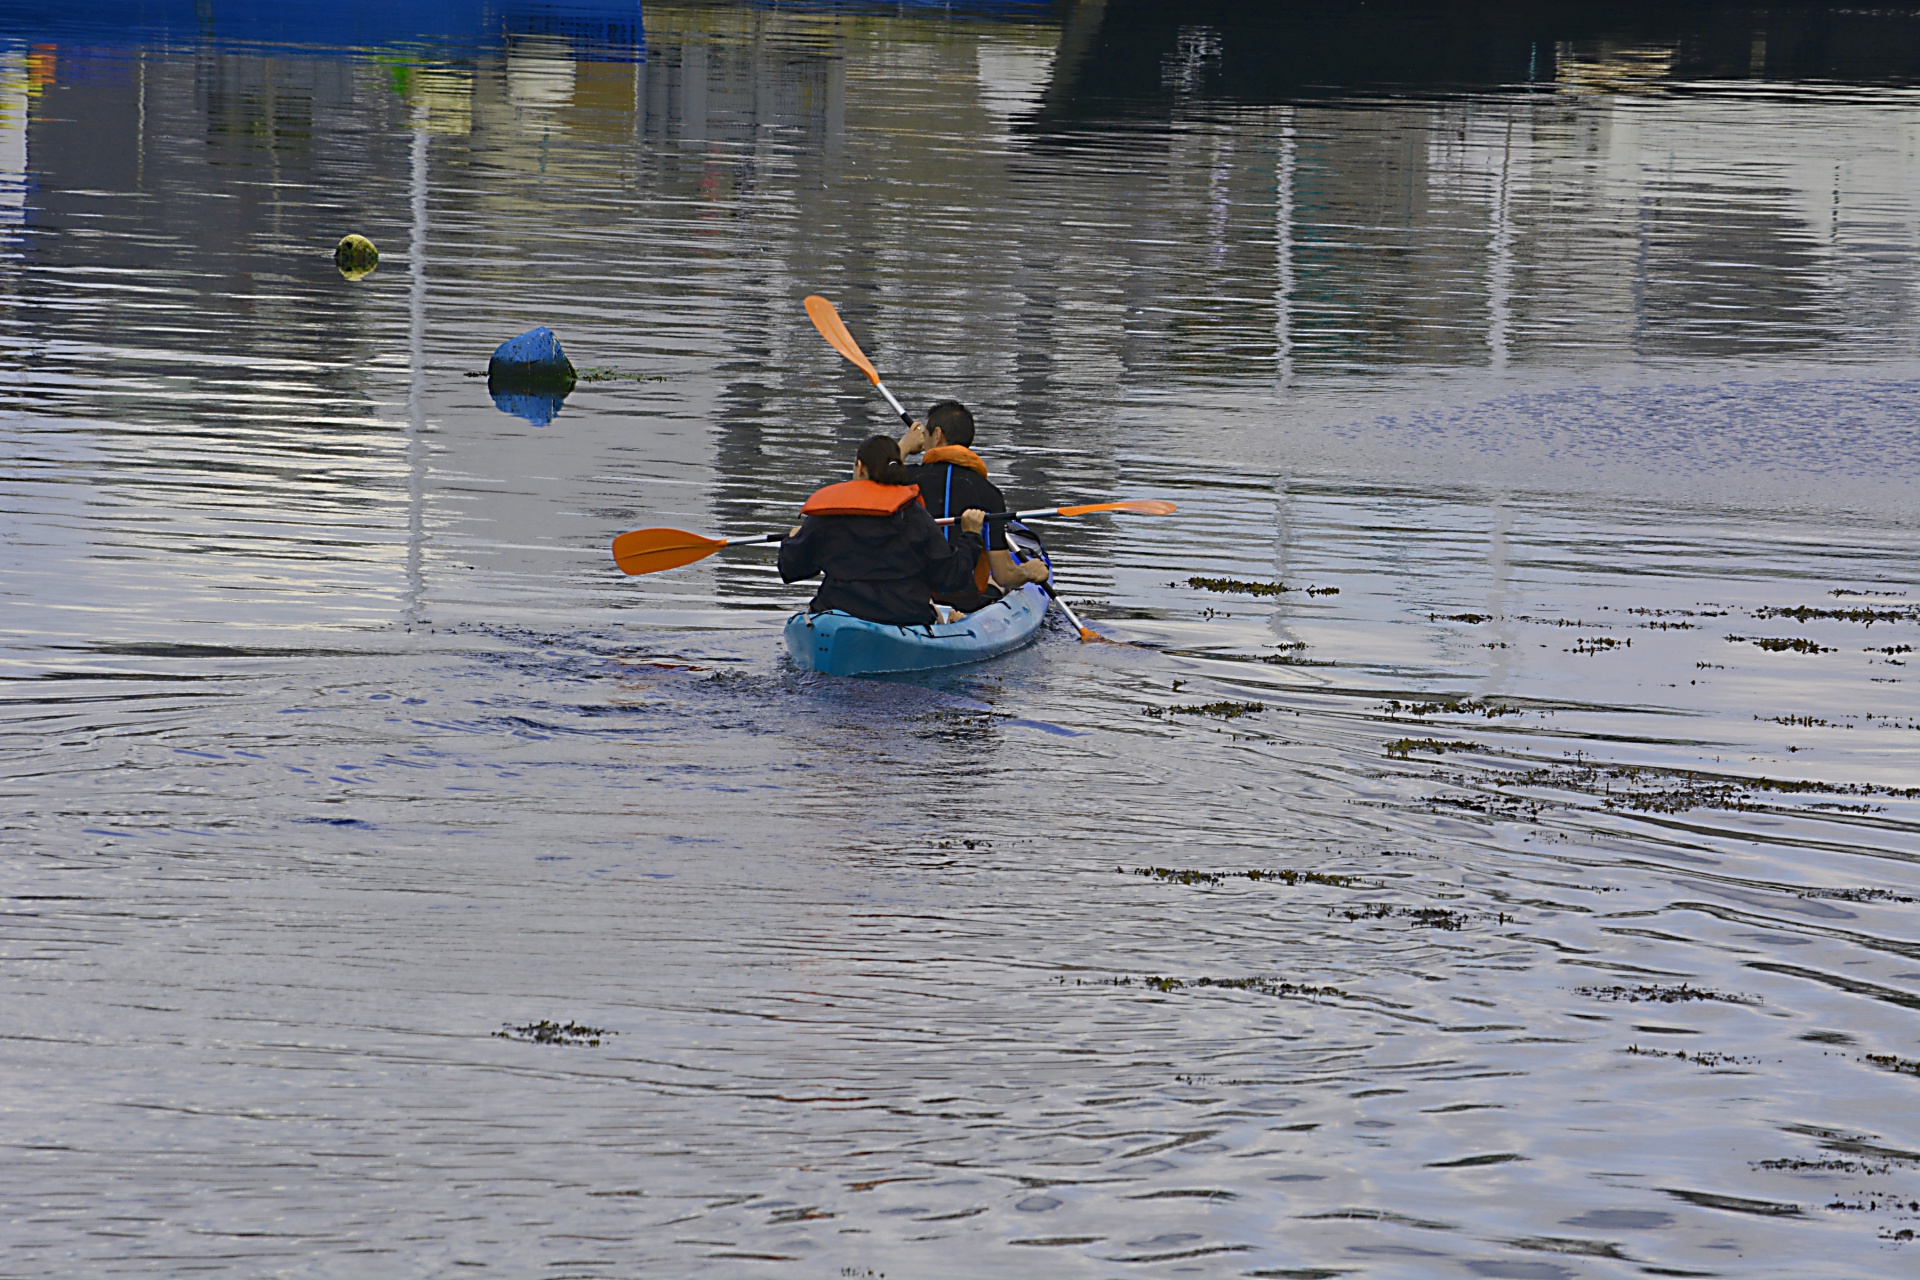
(960, 456)
(860, 498)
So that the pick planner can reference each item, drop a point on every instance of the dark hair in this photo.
(881, 457)
(951, 419)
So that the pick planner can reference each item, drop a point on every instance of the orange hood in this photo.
(860, 498)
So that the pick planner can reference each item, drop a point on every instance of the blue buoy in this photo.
(531, 362)
(529, 376)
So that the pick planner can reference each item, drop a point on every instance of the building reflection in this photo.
(1053, 211)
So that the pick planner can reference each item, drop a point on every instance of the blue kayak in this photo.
(840, 644)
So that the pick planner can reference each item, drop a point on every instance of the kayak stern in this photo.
(839, 644)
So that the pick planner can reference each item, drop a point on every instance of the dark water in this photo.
(1563, 363)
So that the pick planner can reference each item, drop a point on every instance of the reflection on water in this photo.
(1494, 856)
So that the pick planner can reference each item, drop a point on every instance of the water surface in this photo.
(1526, 890)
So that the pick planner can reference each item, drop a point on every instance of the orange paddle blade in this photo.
(651, 550)
(1138, 506)
(834, 330)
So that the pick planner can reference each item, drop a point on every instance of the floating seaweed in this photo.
(1501, 807)
(1224, 710)
(1234, 586)
(1664, 995)
(1817, 1166)
(1781, 644)
(1418, 917)
(1700, 1057)
(548, 1032)
(1450, 706)
(1287, 876)
(1645, 789)
(608, 374)
(1291, 878)
(1856, 895)
(1177, 875)
(1263, 986)
(1473, 619)
(1888, 1062)
(1289, 655)
(1804, 613)
(1598, 644)
(1402, 748)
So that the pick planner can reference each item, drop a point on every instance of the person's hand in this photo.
(794, 532)
(972, 520)
(915, 441)
(1036, 570)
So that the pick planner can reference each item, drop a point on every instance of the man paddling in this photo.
(952, 479)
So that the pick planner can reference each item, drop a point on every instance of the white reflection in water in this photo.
(15, 98)
(416, 376)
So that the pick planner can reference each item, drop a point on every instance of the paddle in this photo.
(653, 550)
(1135, 506)
(1132, 506)
(1087, 634)
(834, 330)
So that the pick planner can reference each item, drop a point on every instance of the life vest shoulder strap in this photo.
(860, 498)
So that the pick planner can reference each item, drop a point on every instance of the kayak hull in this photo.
(839, 644)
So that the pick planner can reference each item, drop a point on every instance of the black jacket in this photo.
(950, 489)
(881, 568)
(968, 489)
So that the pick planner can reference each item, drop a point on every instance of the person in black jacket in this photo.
(952, 477)
(882, 555)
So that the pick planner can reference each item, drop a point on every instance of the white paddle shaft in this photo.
(1036, 514)
(904, 415)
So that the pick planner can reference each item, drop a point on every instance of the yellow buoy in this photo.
(356, 257)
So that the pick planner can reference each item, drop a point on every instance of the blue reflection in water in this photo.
(604, 30)
(537, 407)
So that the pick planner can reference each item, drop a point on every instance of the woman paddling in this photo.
(883, 556)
